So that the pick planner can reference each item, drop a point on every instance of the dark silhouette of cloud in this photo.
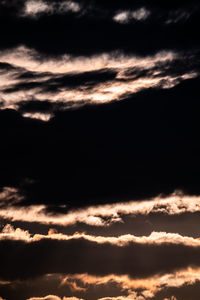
(93, 30)
(57, 60)
(120, 151)
(82, 256)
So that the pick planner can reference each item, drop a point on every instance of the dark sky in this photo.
(100, 150)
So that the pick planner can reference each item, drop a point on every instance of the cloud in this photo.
(33, 8)
(141, 14)
(104, 215)
(124, 17)
(9, 196)
(86, 286)
(99, 167)
(137, 257)
(123, 151)
(177, 16)
(52, 297)
(157, 238)
(99, 79)
(53, 25)
(151, 285)
(132, 296)
(69, 6)
(49, 297)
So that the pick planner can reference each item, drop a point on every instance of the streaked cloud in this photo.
(177, 16)
(9, 196)
(96, 79)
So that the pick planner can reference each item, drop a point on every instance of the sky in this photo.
(100, 150)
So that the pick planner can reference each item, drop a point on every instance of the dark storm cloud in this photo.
(134, 149)
(38, 287)
(183, 293)
(58, 59)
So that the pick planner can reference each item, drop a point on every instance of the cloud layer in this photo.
(99, 155)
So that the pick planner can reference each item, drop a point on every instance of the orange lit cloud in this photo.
(155, 238)
(132, 296)
(149, 286)
(103, 215)
(53, 297)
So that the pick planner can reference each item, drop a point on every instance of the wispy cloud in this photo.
(9, 196)
(98, 79)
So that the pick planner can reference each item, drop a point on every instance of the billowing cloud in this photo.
(157, 238)
(33, 7)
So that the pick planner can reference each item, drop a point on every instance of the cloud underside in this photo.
(139, 257)
(183, 281)
(122, 151)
